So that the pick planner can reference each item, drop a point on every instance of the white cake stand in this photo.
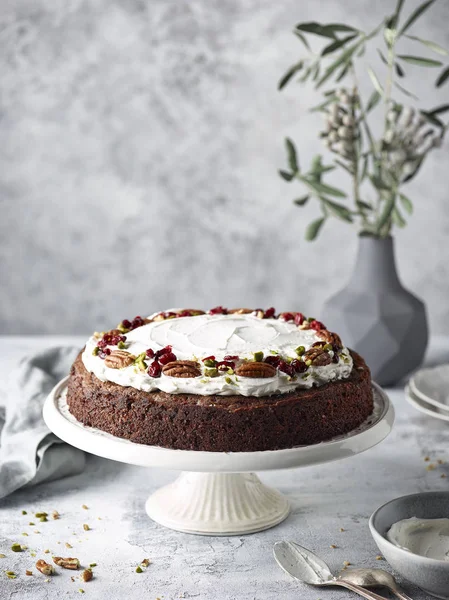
(217, 494)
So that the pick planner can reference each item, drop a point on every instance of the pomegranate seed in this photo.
(335, 358)
(126, 324)
(208, 358)
(317, 325)
(224, 365)
(299, 365)
(273, 360)
(287, 316)
(229, 357)
(101, 343)
(163, 351)
(167, 357)
(150, 353)
(218, 310)
(270, 312)
(299, 318)
(286, 368)
(154, 370)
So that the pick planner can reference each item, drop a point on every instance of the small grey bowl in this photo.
(429, 574)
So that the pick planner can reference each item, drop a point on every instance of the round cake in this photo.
(229, 380)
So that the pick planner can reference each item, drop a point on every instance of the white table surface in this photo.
(324, 499)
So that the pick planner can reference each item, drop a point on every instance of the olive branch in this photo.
(387, 162)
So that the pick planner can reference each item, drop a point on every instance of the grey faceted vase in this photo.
(377, 317)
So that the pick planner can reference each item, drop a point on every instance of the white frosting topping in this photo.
(426, 537)
(195, 338)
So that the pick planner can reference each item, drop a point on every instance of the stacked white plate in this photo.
(428, 391)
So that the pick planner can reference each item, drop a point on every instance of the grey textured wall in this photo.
(139, 144)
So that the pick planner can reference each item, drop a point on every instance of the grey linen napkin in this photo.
(29, 452)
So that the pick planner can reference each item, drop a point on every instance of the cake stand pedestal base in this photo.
(217, 504)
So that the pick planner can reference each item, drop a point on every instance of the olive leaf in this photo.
(420, 60)
(291, 155)
(314, 228)
(285, 175)
(364, 205)
(432, 45)
(415, 15)
(404, 91)
(378, 182)
(397, 218)
(376, 82)
(338, 210)
(399, 70)
(343, 60)
(373, 101)
(323, 105)
(302, 38)
(301, 201)
(321, 188)
(386, 213)
(328, 31)
(406, 203)
(440, 109)
(289, 74)
(416, 166)
(337, 44)
(444, 75)
(432, 119)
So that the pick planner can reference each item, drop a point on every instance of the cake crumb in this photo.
(346, 563)
(443, 476)
(55, 515)
(431, 467)
(426, 458)
(28, 572)
(2, 555)
(86, 527)
(333, 546)
(341, 529)
(67, 545)
(85, 507)
(379, 557)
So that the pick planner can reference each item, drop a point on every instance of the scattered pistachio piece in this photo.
(39, 515)
(346, 563)
(16, 547)
(31, 523)
(138, 569)
(85, 507)
(426, 459)
(95, 351)
(211, 372)
(47, 551)
(33, 554)
(24, 512)
(229, 381)
(81, 591)
(327, 347)
(2, 555)
(209, 363)
(300, 350)
(333, 546)
(430, 467)
(67, 545)
(24, 533)
(86, 527)
(11, 575)
(379, 557)
(258, 356)
(308, 362)
(93, 565)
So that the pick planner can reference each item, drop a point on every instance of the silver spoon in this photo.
(373, 578)
(308, 568)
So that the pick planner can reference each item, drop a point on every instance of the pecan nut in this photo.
(182, 368)
(318, 356)
(256, 370)
(240, 311)
(119, 359)
(330, 338)
(44, 567)
(66, 563)
(86, 575)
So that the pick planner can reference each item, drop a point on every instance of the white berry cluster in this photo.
(341, 128)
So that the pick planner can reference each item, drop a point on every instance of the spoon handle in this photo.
(361, 591)
(401, 594)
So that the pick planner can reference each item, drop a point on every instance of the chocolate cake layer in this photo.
(222, 423)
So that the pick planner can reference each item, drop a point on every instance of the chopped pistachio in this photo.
(426, 458)
(39, 515)
(24, 512)
(300, 350)
(81, 591)
(327, 347)
(33, 553)
(230, 371)
(121, 345)
(95, 351)
(310, 319)
(122, 328)
(47, 551)
(229, 381)
(86, 527)
(139, 569)
(24, 533)
(2, 555)
(209, 363)
(85, 507)
(16, 547)
(346, 563)
(211, 372)
(31, 523)
(258, 356)
(43, 519)
(333, 546)
(308, 362)
(11, 575)
(379, 557)
(67, 545)
(274, 352)
(93, 565)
